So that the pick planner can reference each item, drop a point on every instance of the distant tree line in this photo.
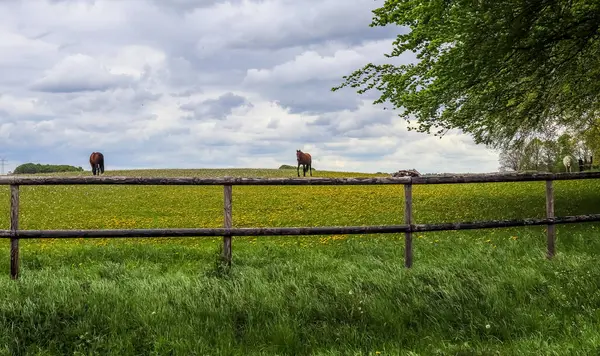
(546, 154)
(32, 168)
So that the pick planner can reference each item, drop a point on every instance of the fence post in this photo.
(227, 195)
(408, 253)
(14, 226)
(551, 228)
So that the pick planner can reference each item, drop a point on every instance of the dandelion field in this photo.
(469, 292)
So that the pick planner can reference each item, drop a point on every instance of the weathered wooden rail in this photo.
(408, 228)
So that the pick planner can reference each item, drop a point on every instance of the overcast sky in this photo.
(205, 83)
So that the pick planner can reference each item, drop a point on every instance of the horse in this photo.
(97, 162)
(567, 163)
(305, 160)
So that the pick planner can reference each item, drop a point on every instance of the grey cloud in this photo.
(186, 92)
(182, 6)
(295, 23)
(14, 117)
(309, 98)
(359, 125)
(125, 101)
(273, 124)
(218, 108)
(76, 85)
(80, 73)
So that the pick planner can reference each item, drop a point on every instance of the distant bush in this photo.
(287, 166)
(32, 168)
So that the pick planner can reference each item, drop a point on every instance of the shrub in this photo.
(32, 168)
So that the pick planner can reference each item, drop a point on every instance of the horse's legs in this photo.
(298, 169)
(93, 169)
(304, 169)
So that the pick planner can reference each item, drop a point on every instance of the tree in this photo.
(33, 168)
(566, 145)
(511, 159)
(497, 70)
(590, 137)
(537, 154)
(533, 154)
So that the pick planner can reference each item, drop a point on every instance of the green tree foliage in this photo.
(537, 154)
(591, 137)
(32, 168)
(497, 70)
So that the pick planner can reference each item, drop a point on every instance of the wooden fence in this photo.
(14, 233)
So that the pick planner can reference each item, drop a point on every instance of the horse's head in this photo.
(298, 154)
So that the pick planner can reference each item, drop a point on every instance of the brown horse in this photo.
(305, 160)
(97, 162)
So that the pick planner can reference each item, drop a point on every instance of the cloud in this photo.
(274, 24)
(205, 83)
(321, 64)
(80, 73)
(218, 108)
(309, 76)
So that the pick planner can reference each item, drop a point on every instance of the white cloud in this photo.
(22, 105)
(19, 49)
(78, 73)
(315, 65)
(272, 23)
(183, 83)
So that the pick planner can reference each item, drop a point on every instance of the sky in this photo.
(206, 84)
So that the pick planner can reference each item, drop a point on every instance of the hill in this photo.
(218, 172)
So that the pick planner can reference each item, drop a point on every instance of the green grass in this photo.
(471, 292)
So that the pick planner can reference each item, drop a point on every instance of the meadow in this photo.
(469, 292)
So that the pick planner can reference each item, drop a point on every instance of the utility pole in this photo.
(2, 161)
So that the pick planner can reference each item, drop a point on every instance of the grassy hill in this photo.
(217, 172)
(475, 292)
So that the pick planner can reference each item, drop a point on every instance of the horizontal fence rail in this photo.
(441, 179)
(408, 228)
(294, 231)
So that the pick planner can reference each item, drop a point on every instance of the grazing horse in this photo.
(305, 160)
(97, 162)
(567, 163)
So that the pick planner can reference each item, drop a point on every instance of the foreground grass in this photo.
(475, 292)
